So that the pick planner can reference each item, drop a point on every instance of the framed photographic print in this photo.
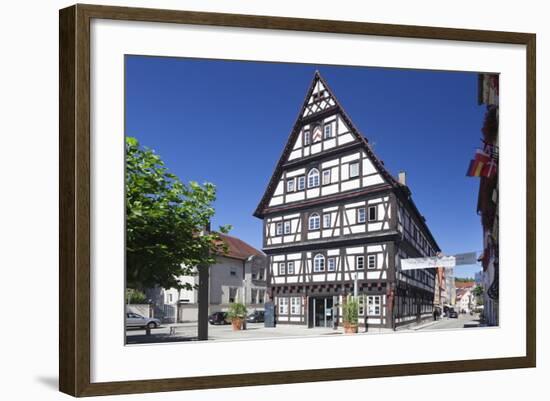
(250, 200)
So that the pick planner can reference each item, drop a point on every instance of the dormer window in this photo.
(313, 178)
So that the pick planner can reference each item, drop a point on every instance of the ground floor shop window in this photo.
(283, 306)
(295, 305)
(373, 303)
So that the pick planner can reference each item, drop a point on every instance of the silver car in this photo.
(135, 320)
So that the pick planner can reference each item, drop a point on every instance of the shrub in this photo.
(236, 311)
(351, 311)
(135, 296)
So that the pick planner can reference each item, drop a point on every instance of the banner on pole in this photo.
(469, 258)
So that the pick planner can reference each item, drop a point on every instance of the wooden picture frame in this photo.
(74, 206)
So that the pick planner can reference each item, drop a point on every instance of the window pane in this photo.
(290, 185)
(301, 183)
(372, 213)
(326, 177)
(361, 215)
(354, 170)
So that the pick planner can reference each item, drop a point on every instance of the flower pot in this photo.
(351, 328)
(237, 323)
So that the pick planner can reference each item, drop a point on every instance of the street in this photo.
(463, 321)
(182, 332)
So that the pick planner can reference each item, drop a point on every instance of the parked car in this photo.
(218, 318)
(453, 314)
(257, 316)
(135, 320)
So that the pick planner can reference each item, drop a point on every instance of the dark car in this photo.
(218, 318)
(256, 317)
(453, 314)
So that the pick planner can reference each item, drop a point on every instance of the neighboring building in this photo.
(238, 276)
(440, 289)
(487, 206)
(334, 219)
(450, 286)
(465, 299)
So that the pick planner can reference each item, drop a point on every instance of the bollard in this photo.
(147, 331)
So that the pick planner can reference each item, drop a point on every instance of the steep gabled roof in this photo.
(309, 113)
(237, 248)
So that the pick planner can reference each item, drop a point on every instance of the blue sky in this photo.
(227, 122)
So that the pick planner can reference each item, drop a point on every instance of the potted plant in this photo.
(237, 315)
(351, 315)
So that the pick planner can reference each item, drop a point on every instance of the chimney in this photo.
(402, 178)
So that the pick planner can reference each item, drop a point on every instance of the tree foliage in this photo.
(478, 291)
(165, 223)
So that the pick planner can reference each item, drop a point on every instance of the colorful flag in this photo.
(474, 170)
(482, 156)
(489, 169)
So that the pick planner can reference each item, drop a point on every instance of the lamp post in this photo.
(245, 261)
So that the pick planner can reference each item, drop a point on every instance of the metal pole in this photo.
(203, 297)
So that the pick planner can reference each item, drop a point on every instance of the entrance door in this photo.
(310, 312)
(323, 311)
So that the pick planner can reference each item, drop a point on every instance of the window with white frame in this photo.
(301, 183)
(283, 306)
(261, 294)
(371, 261)
(326, 177)
(279, 228)
(287, 227)
(331, 264)
(360, 262)
(295, 305)
(282, 271)
(314, 221)
(353, 169)
(319, 263)
(373, 305)
(290, 268)
(361, 309)
(361, 217)
(326, 220)
(373, 215)
(328, 131)
(290, 185)
(313, 178)
(306, 138)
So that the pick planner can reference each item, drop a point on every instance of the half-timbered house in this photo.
(335, 222)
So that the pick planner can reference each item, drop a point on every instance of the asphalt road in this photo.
(448, 323)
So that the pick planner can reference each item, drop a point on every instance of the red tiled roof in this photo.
(464, 284)
(238, 249)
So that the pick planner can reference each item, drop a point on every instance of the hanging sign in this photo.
(439, 261)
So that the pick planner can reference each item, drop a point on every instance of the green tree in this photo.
(165, 221)
(478, 291)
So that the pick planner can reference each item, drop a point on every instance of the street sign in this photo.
(469, 258)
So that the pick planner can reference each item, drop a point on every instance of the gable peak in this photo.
(319, 97)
